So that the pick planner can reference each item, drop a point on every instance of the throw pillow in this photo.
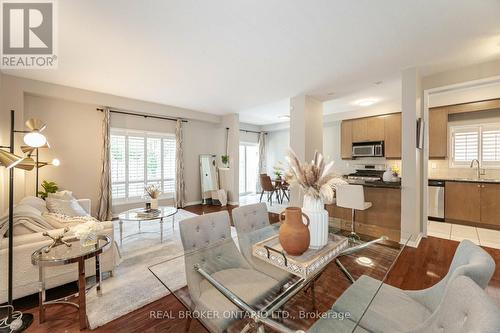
(65, 207)
(34, 202)
(63, 195)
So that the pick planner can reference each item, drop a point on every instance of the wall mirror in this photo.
(209, 177)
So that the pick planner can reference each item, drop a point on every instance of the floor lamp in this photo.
(17, 321)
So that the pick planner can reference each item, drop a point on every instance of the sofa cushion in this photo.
(388, 310)
(62, 195)
(65, 207)
(35, 202)
(332, 321)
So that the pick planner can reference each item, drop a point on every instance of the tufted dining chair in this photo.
(252, 225)
(465, 307)
(207, 243)
(393, 307)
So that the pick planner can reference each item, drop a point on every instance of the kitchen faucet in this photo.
(478, 167)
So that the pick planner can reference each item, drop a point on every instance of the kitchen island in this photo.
(383, 218)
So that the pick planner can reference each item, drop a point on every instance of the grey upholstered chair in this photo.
(465, 307)
(252, 225)
(207, 242)
(393, 308)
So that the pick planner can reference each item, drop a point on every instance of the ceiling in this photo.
(233, 55)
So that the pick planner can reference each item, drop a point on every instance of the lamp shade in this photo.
(8, 159)
(28, 149)
(26, 164)
(35, 124)
(35, 139)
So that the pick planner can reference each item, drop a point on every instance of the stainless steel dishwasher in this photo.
(435, 208)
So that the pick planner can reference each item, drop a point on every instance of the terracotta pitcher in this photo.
(294, 234)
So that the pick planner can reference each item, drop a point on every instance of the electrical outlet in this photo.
(433, 165)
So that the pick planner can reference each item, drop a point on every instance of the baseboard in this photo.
(192, 203)
(411, 242)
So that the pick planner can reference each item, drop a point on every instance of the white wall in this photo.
(277, 148)
(74, 128)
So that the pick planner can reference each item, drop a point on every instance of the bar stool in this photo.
(352, 197)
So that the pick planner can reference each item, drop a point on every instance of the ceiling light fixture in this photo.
(366, 102)
(284, 117)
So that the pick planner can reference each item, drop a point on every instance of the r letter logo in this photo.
(28, 30)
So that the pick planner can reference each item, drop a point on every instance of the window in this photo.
(139, 159)
(481, 142)
(249, 164)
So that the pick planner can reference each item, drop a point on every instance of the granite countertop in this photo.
(470, 180)
(377, 183)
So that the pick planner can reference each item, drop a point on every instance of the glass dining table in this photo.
(228, 288)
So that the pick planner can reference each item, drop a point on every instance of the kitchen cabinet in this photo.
(490, 209)
(438, 133)
(462, 201)
(368, 129)
(346, 139)
(392, 140)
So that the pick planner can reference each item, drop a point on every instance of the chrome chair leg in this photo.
(353, 236)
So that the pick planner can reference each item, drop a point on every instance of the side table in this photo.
(64, 255)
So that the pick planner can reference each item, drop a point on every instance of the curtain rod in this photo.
(142, 115)
(249, 131)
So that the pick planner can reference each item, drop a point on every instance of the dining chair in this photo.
(268, 187)
(395, 305)
(465, 307)
(252, 226)
(207, 244)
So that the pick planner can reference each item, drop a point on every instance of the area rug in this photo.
(133, 285)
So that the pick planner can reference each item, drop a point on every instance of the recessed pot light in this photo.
(366, 102)
(284, 117)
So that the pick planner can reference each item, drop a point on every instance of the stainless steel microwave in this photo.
(368, 149)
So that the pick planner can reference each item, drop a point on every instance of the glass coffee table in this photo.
(295, 303)
(141, 214)
(65, 255)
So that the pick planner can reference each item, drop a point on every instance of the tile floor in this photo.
(480, 236)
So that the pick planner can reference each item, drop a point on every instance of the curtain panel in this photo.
(104, 211)
(180, 188)
(262, 159)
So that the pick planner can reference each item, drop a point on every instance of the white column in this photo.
(306, 132)
(411, 189)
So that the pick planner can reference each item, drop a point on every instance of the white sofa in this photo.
(25, 274)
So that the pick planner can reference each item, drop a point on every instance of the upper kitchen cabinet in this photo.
(438, 133)
(392, 138)
(346, 139)
(368, 129)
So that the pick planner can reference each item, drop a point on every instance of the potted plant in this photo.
(225, 161)
(278, 170)
(317, 181)
(49, 187)
(153, 191)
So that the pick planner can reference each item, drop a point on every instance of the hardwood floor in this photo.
(415, 269)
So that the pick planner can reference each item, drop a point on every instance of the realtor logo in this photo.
(28, 31)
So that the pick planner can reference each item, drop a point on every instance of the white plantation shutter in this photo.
(140, 158)
(465, 145)
(118, 166)
(491, 146)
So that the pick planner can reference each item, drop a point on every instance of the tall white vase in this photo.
(318, 226)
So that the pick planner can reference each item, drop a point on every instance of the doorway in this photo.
(249, 164)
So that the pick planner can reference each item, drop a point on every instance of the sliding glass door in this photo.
(249, 164)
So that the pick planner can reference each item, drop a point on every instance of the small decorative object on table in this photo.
(391, 174)
(294, 235)
(87, 232)
(317, 180)
(153, 191)
(225, 161)
(278, 170)
(56, 240)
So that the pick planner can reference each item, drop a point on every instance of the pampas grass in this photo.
(316, 178)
